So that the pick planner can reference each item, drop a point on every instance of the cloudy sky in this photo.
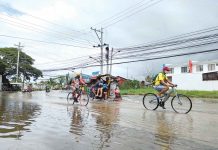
(57, 34)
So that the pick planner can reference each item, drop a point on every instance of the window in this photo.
(184, 69)
(210, 76)
(199, 68)
(211, 67)
(171, 71)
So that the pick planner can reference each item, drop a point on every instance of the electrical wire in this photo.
(140, 60)
(32, 26)
(8, 36)
(108, 25)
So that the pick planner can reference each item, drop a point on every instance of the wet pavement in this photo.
(40, 121)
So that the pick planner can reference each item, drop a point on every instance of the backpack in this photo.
(154, 79)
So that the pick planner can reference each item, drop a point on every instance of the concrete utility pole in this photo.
(111, 61)
(18, 59)
(107, 58)
(101, 45)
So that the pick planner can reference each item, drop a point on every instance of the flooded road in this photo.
(40, 121)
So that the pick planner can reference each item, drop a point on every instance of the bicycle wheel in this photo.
(70, 99)
(83, 99)
(181, 104)
(91, 95)
(150, 101)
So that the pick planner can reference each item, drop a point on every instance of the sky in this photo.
(57, 34)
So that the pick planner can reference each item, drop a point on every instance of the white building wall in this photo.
(193, 81)
(177, 70)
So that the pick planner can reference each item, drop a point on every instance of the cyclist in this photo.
(162, 84)
(76, 83)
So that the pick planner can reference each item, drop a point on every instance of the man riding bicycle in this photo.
(162, 84)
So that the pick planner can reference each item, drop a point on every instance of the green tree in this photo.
(61, 80)
(8, 64)
(51, 82)
(130, 84)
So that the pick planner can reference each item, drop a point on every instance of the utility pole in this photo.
(101, 45)
(107, 58)
(111, 60)
(18, 59)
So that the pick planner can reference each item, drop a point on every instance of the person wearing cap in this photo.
(77, 81)
(162, 84)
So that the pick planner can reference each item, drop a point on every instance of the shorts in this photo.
(159, 87)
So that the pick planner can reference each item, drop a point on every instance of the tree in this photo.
(130, 84)
(8, 65)
(148, 78)
(51, 82)
(61, 80)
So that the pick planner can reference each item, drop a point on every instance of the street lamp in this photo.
(112, 54)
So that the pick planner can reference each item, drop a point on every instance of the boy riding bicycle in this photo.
(162, 84)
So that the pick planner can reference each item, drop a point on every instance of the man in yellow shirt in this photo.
(162, 84)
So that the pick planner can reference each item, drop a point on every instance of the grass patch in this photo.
(140, 91)
(197, 94)
(200, 94)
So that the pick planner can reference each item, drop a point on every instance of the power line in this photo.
(158, 46)
(168, 56)
(168, 50)
(106, 26)
(135, 56)
(142, 51)
(140, 60)
(39, 18)
(202, 31)
(122, 12)
(30, 26)
(69, 60)
(200, 41)
(43, 41)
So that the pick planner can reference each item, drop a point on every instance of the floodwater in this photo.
(40, 121)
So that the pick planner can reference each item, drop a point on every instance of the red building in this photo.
(120, 80)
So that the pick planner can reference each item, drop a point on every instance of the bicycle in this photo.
(180, 103)
(80, 96)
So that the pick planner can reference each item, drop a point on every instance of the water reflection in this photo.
(170, 129)
(106, 120)
(16, 115)
(164, 133)
(78, 119)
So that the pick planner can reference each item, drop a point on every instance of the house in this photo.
(120, 80)
(195, 75)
